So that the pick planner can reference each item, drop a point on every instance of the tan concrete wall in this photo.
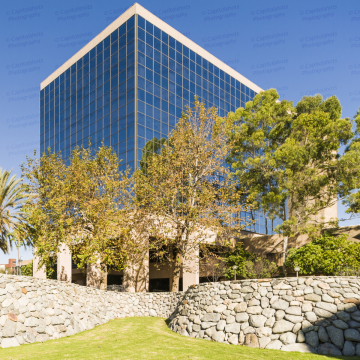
(136, 273)
(64, 264)
(93, 275)
(191, 270)
(39, 273)
(353, 232)
(273, 244)
(327, 214)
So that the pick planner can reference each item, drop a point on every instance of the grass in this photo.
(141, 338)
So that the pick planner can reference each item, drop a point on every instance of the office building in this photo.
(130, 84)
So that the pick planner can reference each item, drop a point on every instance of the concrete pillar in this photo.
(191, 269)
(93, 275)
(38, 273)
(64, 264)
(136, 273)
(326, 215)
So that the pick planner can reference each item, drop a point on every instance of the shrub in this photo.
(326, 255)
(249, 265)
(238, 256)
(27, 270)
(260, 268)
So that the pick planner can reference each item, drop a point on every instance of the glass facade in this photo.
(169, 76)
(94, 99)
(130, 89)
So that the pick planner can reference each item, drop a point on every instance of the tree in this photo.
(186, 191)
(286, 159)
(212, 265)
(214, 268)
(326, 255)
(27, 270)
(12, 196)
(83, 205)
(350, 179)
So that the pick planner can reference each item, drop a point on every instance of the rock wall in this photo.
(311, 314)
(37, 310)
(315, 314)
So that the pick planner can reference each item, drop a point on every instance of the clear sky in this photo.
(298, 47)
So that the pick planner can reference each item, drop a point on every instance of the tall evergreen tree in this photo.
(286, 159)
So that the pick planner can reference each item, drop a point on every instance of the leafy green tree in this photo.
(249, 265)
(286, 159)
(12, 197)
(84, 205)
(27, 270)
(350, 162)
(326, 255)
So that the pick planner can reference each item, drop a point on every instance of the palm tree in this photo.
(12, 195)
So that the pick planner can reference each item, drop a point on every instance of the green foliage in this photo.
(27, 270)
(326, 255)
(260, 268)
(249, 265)
(285, 157)
(82, 203)
(351, 162)
(287, 163)
(186, 192)
(237, 257)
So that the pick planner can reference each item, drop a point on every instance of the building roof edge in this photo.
(140, 10)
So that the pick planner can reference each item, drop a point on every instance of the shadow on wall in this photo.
(313, 314)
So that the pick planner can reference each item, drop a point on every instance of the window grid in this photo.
(94, 99)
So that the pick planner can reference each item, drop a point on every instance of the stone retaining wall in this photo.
(311, 314)
(38, 310)
(316, 314)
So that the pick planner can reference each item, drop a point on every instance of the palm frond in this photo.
(12, 197)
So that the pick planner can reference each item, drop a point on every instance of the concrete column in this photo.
(38, 273)
(191, 269)
(136, 273)
(64, 264)
(93, 275)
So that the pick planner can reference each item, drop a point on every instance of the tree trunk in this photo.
(286, 239)
(176, 270)
(103, 277)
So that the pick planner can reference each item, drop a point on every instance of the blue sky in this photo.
(299, 47)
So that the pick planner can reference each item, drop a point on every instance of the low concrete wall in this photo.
(38, 310)
(312, 314)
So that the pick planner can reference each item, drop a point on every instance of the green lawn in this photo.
(141, 338)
